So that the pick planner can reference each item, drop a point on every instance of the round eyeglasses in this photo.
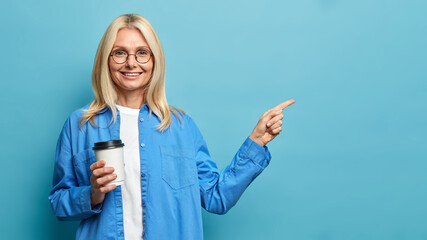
(121, 56)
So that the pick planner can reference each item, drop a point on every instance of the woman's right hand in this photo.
(100, 176)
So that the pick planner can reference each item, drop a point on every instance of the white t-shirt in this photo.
(131, 189)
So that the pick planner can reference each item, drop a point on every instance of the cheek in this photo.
(149, 67)
(113, 69)
(113, 75)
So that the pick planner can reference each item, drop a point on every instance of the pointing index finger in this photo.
(283, 105)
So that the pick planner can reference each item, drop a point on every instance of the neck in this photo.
(133, 99)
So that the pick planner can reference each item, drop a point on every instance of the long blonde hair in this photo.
(103, 86)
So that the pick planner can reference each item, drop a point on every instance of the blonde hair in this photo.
(103, 86)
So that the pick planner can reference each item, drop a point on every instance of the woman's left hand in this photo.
(270, 124)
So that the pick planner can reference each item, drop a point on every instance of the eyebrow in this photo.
(126, 48)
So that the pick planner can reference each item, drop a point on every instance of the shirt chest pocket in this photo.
(178, 167)
(81, 163)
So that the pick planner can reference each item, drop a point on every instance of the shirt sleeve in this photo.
(220, 191)
(68, 200)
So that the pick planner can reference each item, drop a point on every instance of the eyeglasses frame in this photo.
(136, 59)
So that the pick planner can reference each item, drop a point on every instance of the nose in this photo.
(131, 62)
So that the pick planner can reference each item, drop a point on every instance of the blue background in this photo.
(350, 163)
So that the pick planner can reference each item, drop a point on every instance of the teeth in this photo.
(131, 74)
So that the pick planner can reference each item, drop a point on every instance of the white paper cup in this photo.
(112, 153)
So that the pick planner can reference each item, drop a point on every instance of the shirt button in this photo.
(141, 119)
(142, 174)
(121, 233)
(118, 202)
(142, 144)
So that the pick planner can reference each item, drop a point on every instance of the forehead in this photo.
(130, 38)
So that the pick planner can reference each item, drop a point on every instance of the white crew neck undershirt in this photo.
(131, 189)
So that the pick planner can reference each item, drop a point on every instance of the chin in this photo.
(132, 87)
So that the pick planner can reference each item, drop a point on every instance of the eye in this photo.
(142, 53)
(120, 53)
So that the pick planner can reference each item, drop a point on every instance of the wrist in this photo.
(257, 140)
(92, 201)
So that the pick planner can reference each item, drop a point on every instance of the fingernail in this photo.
(268, 124)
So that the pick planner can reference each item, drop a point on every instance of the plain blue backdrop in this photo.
(350, 163)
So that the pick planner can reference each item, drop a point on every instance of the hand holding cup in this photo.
(108, 170)
(100, 177)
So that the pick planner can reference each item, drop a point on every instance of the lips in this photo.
(131, 73)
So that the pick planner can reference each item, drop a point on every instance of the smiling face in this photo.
(130, 76)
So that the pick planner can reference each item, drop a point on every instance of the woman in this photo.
(169, 172)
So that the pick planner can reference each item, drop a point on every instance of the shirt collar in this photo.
(144, 107)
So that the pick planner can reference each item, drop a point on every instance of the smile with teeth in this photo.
(131, 74)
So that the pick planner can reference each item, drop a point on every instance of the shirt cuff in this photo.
(258, 154)
(85, 205)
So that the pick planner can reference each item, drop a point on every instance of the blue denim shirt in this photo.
(178, 177)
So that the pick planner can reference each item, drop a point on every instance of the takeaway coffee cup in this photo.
(112, 153)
